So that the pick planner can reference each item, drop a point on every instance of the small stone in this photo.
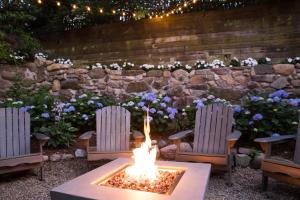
(181, 75)
(256, 161)
(154, 73)
(167, 74)
(244, 150)
(197, 79)
(97, 73)
(263, 69)
(66, 156)
(8, 75)
(177, 90)
(57, 66)
(243, 160)
(70, 84)
(29, 75)
(252, 85)
(284, 69)
(220, 71)
(162, 143)
(45, 158)
(137, 87)
(132, 72)
(296, 83)
(55, 157)
(263, 78)
(280, 83)
(56, 85)
(80, 153)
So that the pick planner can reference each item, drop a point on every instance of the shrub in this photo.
(161, 110)
(262, 116)
(235, 62)
(265, 60)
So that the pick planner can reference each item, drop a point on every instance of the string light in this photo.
(194, 1)
(185, 4)
(133, 14)
(58, 3)
(123, 13)
(101, 10)
(88, 8)
(39, 1)
(113, 11)
(74, 6)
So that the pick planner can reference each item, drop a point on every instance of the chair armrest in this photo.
(274, 139)
(87, 135)
(234, 136)
(266, 143)
(41, 137)
(180, 135)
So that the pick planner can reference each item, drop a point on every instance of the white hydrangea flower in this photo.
(249, 62)
(290, 60)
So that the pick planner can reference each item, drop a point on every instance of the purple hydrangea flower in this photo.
(257, 117)
(250, 122)
(25, 108)
(144, 108)
(167, 99)
(160, 112)
(141, 104)
(163, 105)
(199, 104)
(152, 110)
(279, 93)
(172, 111)
(69, 109)
(294, 102)
(45, 115)
(255, 98)
(99, 105)
(276, 99)
(171, 116)
(149, 96)
(85, 117)
(237, 109)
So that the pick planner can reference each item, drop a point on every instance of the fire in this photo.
(144, 168)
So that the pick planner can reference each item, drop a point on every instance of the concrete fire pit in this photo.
(191, 185)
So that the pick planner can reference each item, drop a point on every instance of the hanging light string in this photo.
(125, 14)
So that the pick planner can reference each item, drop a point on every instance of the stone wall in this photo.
(228, 83)
(271, 30)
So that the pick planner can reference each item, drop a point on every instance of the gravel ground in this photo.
(247, 184)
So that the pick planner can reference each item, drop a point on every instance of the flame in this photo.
(144, 168)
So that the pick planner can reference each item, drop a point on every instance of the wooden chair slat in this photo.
(2, 133)
(22, 132)
(297, 149)
(98, 130)
(200, 132)
(207, 129)
(16, 133)
(212, 133)
(123, 129)
(113, 129)
(9, 133)
(127, 130)
(27, 132)
(196, 130)
(222, 142)
(219, 119)
(118, 128)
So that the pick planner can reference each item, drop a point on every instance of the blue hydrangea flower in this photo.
(270, 100)
(69, 109)
(279, 93)
(144, 108)
(141, 104)
(257, 117)
(172, 111)
(163, 105)
(255, 98)
(67, 104)
(99, 105)
(25, 108)
(90, 102)
(85, 117)
(45, 115)
(250, 122)
(152, 110)
(276, 99)
(171, 116)
(199, 104)
(294, 102)
(160, 112)
(57, 118)
(237, 109)
(167, 99)
(150, 96)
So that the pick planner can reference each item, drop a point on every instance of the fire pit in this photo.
(189, 184)
(139, 178)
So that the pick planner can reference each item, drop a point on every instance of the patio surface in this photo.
(247, 184)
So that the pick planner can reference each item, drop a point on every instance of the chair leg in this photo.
(229, 174)
(41, 173)
(265, 181)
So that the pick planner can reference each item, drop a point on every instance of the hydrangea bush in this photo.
(161, 112)
(262, 116)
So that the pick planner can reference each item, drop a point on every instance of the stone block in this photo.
(263, 69)
(243, 160)
(263, 78)
(284, 69)
(280, 83)
(296, 83)
(132, 72)
(154, 73)
(97, 73)
(137, 87)
(70, 84)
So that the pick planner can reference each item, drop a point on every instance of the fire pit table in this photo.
(179, 180)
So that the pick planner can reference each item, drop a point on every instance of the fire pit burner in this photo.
(165, 184)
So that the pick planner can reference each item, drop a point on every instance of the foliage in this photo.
(262, 116)
(265, 60)
(235, 62)
(80, 111)
(161, 112)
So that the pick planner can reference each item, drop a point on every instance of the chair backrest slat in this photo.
(113, 129)
(14, 132)
(213, 124)
(297, 150)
